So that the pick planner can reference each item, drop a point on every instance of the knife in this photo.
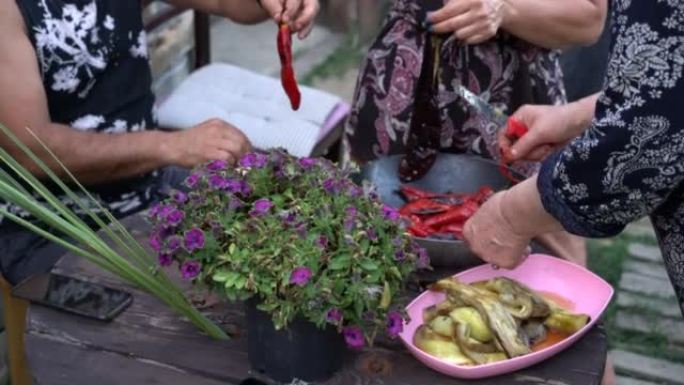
(515, 129)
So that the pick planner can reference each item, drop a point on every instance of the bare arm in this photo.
(554, 23)
(92, 157)
(547, 23)
(240, 11)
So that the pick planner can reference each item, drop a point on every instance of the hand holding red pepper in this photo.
(550, 128)
(298, 14)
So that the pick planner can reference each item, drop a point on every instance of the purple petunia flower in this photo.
(253, 160)
(245, 188)
(155, 242)
(261, 207)
(173, 243)
(423, 261)
(397, 241)
(353, 336)
(301, 229)
(351, 212)
(217, 165)
(164, 259)
(349, 225)
(190, 269)
(234, 203)
(217, 182)
(155, 210)
(233, 186)
(322, 242)
(191, 181)
(395, 324)
(354, 191)
(174, 218)
(372, 235)
(307, 163)
(390, 213)
(180, 197)
(194, 239)
(399, 256)
(300, 276)
(330, 185)
(334, 316)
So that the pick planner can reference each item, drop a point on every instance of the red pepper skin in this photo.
(453, 228)
(455, 215)
(287, 75)
(413, 193)
(515, 129)
(422, 206)
(418, 228)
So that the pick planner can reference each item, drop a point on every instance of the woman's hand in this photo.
(501, 230)
(471, 21)
(491, 236)
(298, 14)
(549, 128)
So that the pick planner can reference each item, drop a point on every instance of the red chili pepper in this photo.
(453, 228)
(418, 228)
(413, 193)
(457, 214)
(515, 130)
(422, 206)
(483, 194)
(287, 75)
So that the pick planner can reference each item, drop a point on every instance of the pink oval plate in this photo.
(585, 290)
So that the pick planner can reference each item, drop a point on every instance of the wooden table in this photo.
(149, 344)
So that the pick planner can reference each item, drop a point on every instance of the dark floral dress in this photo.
(506, 71)
(630, 162)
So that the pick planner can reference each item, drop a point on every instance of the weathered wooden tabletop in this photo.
(149, 344)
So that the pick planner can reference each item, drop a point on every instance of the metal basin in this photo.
(450, 173)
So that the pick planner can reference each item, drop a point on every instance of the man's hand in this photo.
(298, 14)
(211, 140)
(471, 21)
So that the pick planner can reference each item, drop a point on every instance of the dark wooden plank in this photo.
(57, 363)
(148, 330)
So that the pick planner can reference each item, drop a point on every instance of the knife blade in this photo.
(490, 112)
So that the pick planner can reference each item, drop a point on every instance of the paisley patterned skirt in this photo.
(505, 70)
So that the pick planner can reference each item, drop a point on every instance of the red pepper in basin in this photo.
(440, 215)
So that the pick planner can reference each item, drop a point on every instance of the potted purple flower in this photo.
(317, 259)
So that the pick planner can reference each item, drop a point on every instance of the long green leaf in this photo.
(63, 220)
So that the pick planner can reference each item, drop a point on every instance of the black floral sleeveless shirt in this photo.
(93, 60)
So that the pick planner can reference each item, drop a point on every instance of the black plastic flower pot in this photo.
(302, 351)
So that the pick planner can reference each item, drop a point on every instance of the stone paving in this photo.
(647, 305)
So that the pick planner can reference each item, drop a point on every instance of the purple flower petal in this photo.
(217, 182)
(353, 336)
(248, 160)
(217, 165)
(322, 242)
(395, 324)
(174, 218)
(330, 185)
(180, 197)
(372, 235)
(390, 213)
(307, 163)
(190, 269)
(234, 203)
(399, 256)
(261, 207)
(194, 239)
(164, 259)
(155, 242)
(334, 316)
(191, 181)
(173, 243)
(300, 276)
(155, 210)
